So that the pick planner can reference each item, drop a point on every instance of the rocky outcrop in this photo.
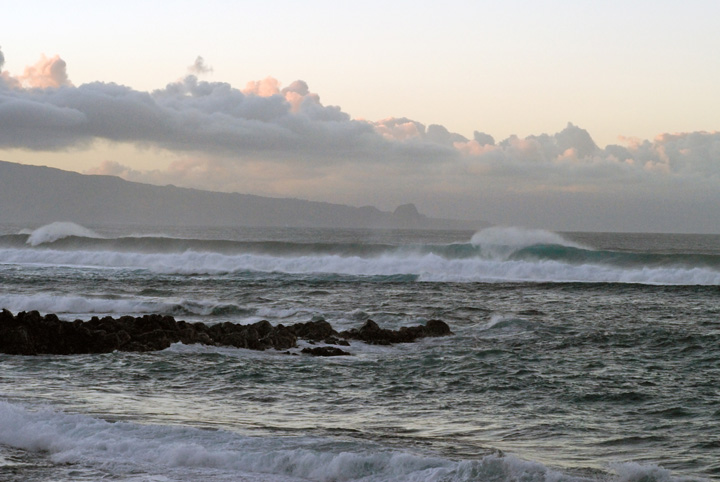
(29, 333)
(325, 351)
(371, 333)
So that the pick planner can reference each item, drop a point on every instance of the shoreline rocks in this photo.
(372, 334)
(29, 333)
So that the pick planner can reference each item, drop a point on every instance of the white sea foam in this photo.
(192, 454)
(124, 449)
(153, 235)
(70, 306)
(634, 472)
(80, 305)
(189, 454)
(60, 304)
(59, 230)
(229, 351)
(506, 322)
(426, 267)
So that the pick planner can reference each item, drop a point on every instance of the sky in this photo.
(573, 116)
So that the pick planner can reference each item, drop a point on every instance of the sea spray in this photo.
(499, 242)
(409, 266)
(59, 230)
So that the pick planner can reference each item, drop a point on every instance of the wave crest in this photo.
(500, 242)
(59, 230)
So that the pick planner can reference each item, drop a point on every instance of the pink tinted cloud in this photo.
(295, 94)
(264, 88)
(47, 72)
(399, 129)
(474, 148)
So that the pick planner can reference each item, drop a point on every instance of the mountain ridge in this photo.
(40, 195)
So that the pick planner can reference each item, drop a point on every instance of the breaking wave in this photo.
(121, 449)
(503, 241)
(394, 266)
(492, 255)
(55, 231)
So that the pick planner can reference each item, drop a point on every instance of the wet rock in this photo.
(263, 328)
(29, 333)
(280, 338)
(325, 351)
(313, 330)
(371, 333)
(437, 328)
(333, 340)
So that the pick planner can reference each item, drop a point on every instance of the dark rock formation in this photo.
(258, 336)
(29, 333)
(371, 333)
(325, 351)
(313, 330)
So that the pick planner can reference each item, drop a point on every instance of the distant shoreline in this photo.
(42, 195)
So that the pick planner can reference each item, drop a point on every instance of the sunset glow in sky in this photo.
(560, 115)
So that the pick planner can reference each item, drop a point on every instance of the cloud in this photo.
(263, 120)
(573, 155)
(282, 140)
(199, 67)
(6, 80)
(186, 116)
(404, 129)
(47, 72)
(114, 168)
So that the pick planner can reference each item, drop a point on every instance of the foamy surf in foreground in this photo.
(120, 449)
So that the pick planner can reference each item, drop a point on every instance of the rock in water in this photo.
(371, 333)
(325, 351)
(313, 330)
(29, 333)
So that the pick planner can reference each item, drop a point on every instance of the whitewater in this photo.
(575, 356)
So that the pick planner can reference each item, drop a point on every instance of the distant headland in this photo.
(40, 195)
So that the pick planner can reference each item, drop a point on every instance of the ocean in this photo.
(575, 356)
